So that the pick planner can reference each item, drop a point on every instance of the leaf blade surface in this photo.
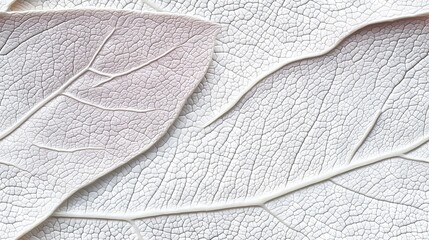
(312, 120)
(83, 92)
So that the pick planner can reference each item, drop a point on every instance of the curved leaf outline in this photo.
(83, 92)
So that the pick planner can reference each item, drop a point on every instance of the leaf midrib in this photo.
(262, 200)
(256, 201)
(54, 94)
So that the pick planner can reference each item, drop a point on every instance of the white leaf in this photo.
(4, 4)
(83, 92)
(67, 4)
(248, 174)
(388, 200)
(375, 202)
(256, 37)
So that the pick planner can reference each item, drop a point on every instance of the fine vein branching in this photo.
(61, 90)
(285, 62)
(113, 76)
(54, 94)
(374, 198)
(256, 201)
(266, 209)
(136, 229)
(107, 108)
(364, 136)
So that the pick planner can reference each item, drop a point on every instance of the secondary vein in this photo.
(53, 95)
(257, 201)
